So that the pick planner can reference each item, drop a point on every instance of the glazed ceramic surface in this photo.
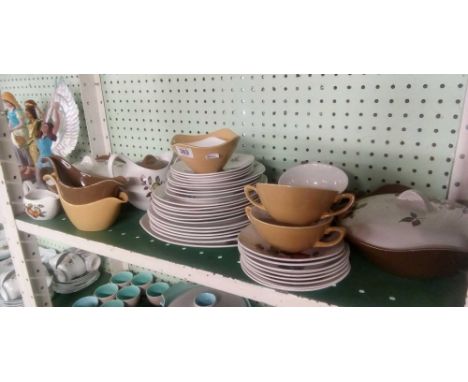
(130, 295)
(155, 293)
(316, 175)
(113, 304)
(142, 176)
(409, 234)
(96, 167)
(106, 292)
(297, 205)
(77, 187)
(205, 295)
(84, 216)
(86, 302)
(122, 279)
(306, 271)
(9, 287)
(181, 214)
(76, 284)
(41, 204)
(206, 153)
(143, 280)
(293, 238)
(416, 222)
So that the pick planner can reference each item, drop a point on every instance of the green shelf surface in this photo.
(366, 285)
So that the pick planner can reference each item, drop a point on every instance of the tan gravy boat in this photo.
(95, 216)
(77, 187)
(297, 205)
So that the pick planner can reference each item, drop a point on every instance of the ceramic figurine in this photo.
(45, 137)
(19, 133)
(34, 116)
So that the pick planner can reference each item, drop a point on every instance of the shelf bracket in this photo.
(30, 272)
(98, 133)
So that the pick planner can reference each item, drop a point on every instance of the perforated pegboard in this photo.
(378, 128)
(40, 87)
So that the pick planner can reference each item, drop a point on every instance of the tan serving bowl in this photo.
(290, 238)
(297, 205)
(206, 153)
(96, 216)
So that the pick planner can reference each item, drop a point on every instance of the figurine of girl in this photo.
(19, 133)
(45, 137)
(34, 116)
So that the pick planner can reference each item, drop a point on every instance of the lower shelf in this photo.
(366, 285)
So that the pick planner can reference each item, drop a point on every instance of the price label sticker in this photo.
(184, 152)
(212, 156)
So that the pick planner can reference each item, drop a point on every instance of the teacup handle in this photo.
(52, 177)
(247, 191)
(123, 197)
(338, 199)
(341, 234)
(28, 186)
(110, 164)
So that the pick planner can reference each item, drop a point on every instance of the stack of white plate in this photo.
(11, 303)
(313, 269)
(203, 210)
(76, 284)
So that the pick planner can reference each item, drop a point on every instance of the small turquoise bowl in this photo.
(130, 295)
(106, 292)
(86, 302)
(122, 279)
(143, 280)
(155, 293)
(113, 304)
(205, 299)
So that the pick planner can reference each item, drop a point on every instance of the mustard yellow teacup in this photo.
(297, 205)
(291, 238)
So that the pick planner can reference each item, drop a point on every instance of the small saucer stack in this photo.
(293, 243)
(203, 210)
(313, 269)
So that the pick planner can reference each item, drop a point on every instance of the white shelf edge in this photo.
(213, 280)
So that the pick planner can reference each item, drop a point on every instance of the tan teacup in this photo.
(297, 205)
(290, 238)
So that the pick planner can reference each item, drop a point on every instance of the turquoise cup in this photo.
(122, 279)
(130, 295)
(155, 293)
(86, 302)
(205, 299)
(106, 292)
(143, 280)
(113, 304)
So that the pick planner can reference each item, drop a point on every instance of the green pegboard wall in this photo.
(378, 128)
(40, 87)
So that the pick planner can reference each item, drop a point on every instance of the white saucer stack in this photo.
(203, 210)
(76, 284)
(310, 270)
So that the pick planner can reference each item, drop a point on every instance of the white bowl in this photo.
(316, 175)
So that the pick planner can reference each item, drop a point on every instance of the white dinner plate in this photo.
(145, 224)
(294, 269)
(274, 275)
(254, 243)
(295, 288)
